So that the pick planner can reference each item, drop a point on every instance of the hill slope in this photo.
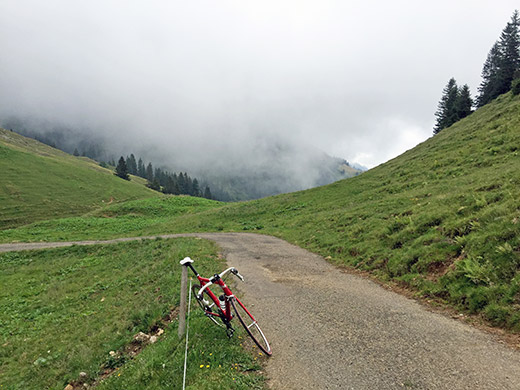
(39, 182)
(443, 218)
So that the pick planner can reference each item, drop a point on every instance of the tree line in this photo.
(160, 179)
(500, 74)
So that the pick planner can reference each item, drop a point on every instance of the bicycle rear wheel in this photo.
(251, 326)
(208, 306)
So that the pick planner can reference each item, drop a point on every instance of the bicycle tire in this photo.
(251, 326)
(208, 308)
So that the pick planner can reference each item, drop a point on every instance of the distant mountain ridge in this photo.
(272, 165)
(276, 168)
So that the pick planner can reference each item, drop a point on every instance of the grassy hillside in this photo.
(39, 182)
(443, 218)
(64, 310)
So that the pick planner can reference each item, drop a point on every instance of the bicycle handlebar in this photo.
(233, 270)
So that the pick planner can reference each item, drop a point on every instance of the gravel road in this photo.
(333, 330)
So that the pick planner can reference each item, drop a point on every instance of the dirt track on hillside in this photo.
(333, 330)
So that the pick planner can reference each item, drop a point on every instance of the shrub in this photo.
(497, 314)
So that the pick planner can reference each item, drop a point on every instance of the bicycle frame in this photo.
(243, 315)
(227, 292)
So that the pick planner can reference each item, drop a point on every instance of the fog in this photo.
(206, 84)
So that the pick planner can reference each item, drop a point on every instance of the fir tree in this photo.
(76, 153)
(182, 183)
(196, 188)
(141, 170)
(149, 172)
(447, 109)
(502, 62)
(464, 102)
(122, 170)
(207, 193)
(510, 52)
(131, 164)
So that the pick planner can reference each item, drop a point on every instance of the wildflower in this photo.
(207, 366)
(202, 365)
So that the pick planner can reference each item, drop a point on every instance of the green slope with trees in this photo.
(443, 218)
(39, 182)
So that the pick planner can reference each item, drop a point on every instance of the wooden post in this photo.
(182, 308)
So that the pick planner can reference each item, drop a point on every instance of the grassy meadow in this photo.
(442, 219)
(39, 182)
(64, 310)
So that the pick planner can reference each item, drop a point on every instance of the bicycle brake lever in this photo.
(234, 271)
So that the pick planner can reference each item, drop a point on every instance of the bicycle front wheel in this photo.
(251, 326)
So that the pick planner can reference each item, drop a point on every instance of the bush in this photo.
(497, 314)
(515, 86)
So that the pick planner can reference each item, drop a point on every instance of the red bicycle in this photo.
(218, 309)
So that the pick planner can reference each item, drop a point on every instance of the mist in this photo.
(217, 87)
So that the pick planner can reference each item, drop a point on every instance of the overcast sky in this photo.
(358, 79)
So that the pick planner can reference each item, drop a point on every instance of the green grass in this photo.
(133, 218)
(39, 182)
(64, 310)
(442, 219)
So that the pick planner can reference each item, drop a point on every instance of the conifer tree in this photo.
(141, 170)
(149, 172)
(196, 188)
(182, 183)
(510, 51)
(502, 62)
(131, 164)
(464, 102)
(122, 170)
(447, 109)
(207, 193)
(76, 153)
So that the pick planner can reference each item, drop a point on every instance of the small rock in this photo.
(160, 331)
(83, 376)
(112, 353)
(69, 387)
(153, 339)
(142, 337)
(103, 299)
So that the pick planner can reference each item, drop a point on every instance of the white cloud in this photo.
(360, 80)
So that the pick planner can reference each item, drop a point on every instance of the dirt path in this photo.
(333, 330)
